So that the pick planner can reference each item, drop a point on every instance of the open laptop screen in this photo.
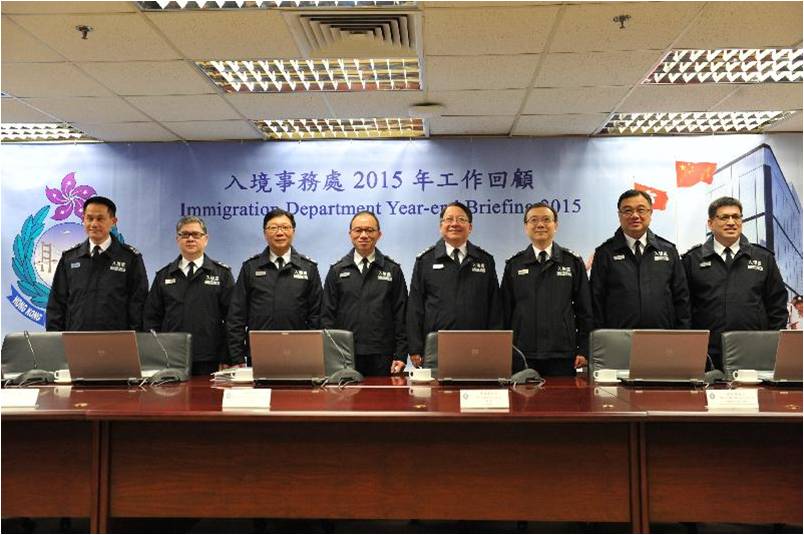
(287, 355)
(474, 355)
(668, 355)
(102, 355)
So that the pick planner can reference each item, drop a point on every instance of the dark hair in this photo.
(540, 205)
(797, 299)
(104, 201)
(364, 212)
(627, 194)
(277, 212)
(457, 205)
(721, 202)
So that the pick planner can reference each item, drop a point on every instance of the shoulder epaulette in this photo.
(74, 247)
(520, 253)
(697, 245)
(663, 240)
(392, 260)
(425, 251)
(763, 247)
(308, 259)
(573, 253)
(221, 264)
(253, 256)
(482, 250)
(131, 248)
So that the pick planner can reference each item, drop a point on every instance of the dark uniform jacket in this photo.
(267, 299)
(748, 296)
(444, 296)
(548, 306)
(198, 306)
(651, 294)
(373, 308)
(102, 294)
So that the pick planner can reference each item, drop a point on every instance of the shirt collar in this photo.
(286, 257)
(631, 241)
(358, 258)
(719, 247)
(105, 245)
(183, 263)
(549, 251)
(462, 249)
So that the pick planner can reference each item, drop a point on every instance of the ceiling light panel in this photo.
(301, 75)
(178, 5)
(729, 66)
(40, 132)
(372, 128)
(643, 124)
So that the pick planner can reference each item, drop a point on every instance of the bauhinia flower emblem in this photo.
(70, 199)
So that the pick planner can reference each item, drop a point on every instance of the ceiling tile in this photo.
(248, 34)
(373, 103)
(758, 97)
(573, 99)
(474, 31)
(485, 125)
(127, 132)
(49, 80)
(557, 125)
(479, 72)
(124, 36)
(590, 26)
(745, 25)
(19, 45)
(670, 98)
(498, 102)
(185, 108)
(280, 106)
(15, 111)
(596, 68)
(214, 130)
(792, 124)
(151, 78)
(88, 109)
(68, 7)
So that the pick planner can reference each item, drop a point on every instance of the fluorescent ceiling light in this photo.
(381, 127)
(301, 75)
(39, 132)
(729, 66)
(176, 5)
(729, 122)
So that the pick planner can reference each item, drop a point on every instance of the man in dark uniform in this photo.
(546, 299)
(100, 284)
(365, 292)
(637, 279)
(278, 289)
(734, 285)
(454, 284)
(192, 294)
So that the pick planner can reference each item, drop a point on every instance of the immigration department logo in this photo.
(40, 242)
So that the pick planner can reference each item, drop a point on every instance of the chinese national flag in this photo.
(659, 197)
(689, 173)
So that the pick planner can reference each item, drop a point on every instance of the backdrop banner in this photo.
(232, 186)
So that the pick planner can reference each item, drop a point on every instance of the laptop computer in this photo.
(667, 357)
(102, 356)
(287, 356)
(474, 356)
(787, 369)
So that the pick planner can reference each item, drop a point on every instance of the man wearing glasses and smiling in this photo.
(454, 284)
(637, 280)
(276, 290)
(365, 292)
(191, 295)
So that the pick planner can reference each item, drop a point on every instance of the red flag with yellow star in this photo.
(689, 173)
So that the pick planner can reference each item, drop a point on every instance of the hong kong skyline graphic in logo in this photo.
(38, 247)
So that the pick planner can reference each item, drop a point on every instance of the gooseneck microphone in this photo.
(34, 375)
(347, 374)
(168, 374)
(527, 375)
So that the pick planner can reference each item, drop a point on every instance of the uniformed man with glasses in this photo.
(278, 289)
(454, 284)
(546, 299)
(365, 292)
(734, 285)
(637, 280)
(192, 295)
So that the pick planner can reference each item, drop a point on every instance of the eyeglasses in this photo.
(357, 231)
(273, 229)
(452, 220)
(535, 220)
(193, 235)
(641, 212)
(725, 217)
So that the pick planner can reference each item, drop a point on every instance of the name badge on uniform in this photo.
(618, 257)
(75, 265)
(478, 267)
(755, 265)
(345, 274)
(300, 274)
(438, 266)
(706, 264)
(260, 273)
(660, 256)
(384, 276)
(212, 280)
(170, 281)
(564, 271)
(118, 265)
(522, 271)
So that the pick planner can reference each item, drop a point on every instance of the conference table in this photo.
(568, 450)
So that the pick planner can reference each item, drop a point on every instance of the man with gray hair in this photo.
(192, 294)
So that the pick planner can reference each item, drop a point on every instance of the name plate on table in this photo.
(18, 398)
(473, 400)
(730, 400)
(247, 398)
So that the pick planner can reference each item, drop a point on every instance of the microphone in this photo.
(527, 375)
(35, 375)
(713, 375)
(168, 374)
(347, 374)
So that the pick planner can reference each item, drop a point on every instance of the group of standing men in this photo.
(638, 280)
